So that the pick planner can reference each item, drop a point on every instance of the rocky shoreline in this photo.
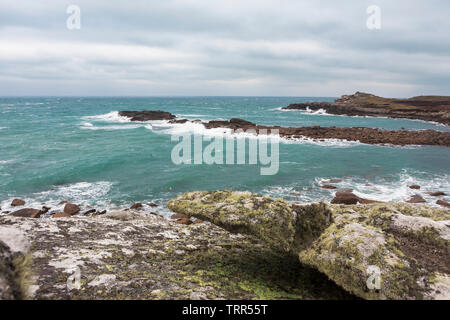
(130, 254)
(316, 133)
(427, 108)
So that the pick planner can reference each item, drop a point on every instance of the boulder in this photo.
(443, 203)
(437, 194)
(346, 196)
(416, 199)
(414, 186)
(375, 251)
(61, 215)
(186, 221)
(152, 204)
(17, 203)
(27, 213)
(71, 208)
(137, 205)
(179, 216)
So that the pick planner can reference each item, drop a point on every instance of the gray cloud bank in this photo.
(245, 47)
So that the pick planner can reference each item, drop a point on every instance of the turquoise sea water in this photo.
(79, 149)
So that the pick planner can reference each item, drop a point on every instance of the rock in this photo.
(186, 221)
(121, 256)
(352, 245)
(346, 196)
(6, 212)
(9, 286)
(17, 203)
(437, 194)
(27, 213)
(414, 186)
(63, 202)
(137, 205)
(428, 108)
(151, 204)
(61, 215)
(147, 115)
(443, 203)
(88, 212)
(179, 216)
(45, 209)
(99, 213)
(328, 186)
(416, 199)
(71, 208)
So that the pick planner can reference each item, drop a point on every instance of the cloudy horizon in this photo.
(221, 48)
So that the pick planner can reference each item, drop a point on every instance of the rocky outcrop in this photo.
(316, 133)
(27, 213)
(375, 251)
(147, 115)
(135, 255)
(428, 108)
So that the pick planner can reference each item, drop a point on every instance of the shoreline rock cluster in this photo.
(427, 108)
(317, 133)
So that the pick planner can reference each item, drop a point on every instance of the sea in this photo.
(79, 149)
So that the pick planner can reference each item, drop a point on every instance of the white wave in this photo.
(1, 128)
(397, 188)
(112, 116)
(125, 127)
(81, 193)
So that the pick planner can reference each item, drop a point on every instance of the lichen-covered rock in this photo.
(135, 255)
(9, 288)
(376, 251)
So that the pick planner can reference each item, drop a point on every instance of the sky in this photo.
(224, 48)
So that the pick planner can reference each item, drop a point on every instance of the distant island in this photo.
(427, 108)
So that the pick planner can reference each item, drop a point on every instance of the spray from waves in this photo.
(394, 188)
(1, 128)
(81, 193)
(90, 126)
(108, 117)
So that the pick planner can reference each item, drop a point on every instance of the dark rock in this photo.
(416, 199)
(443, 203)
(328, 186)
(89, 212)
(151, 204)
(346, 196)
(437, 194)
(137, 205)
(99, 213)
(147, 115)
(63, 202)
(71, 208)
(17, 203)
(27, 213)
(45, 209)
(414, 186)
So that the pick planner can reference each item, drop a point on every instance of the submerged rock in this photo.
(376, 251)
(416, 199)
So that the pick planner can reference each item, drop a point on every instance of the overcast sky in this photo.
(227, 47)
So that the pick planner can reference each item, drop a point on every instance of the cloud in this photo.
(197, 47)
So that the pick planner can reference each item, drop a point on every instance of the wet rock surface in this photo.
(428, 108)
(147, 115)
(406, 245)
